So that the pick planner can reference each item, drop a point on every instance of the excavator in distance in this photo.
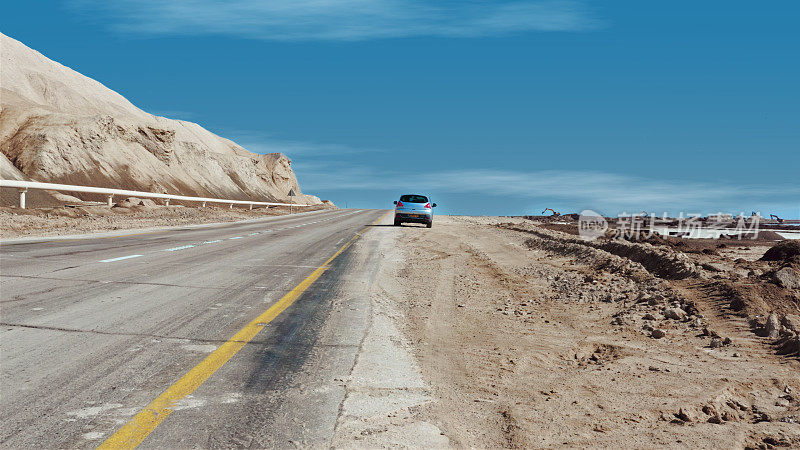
(555, 214)
(773, 216)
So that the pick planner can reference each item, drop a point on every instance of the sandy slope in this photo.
(527, 341)
(57, 125)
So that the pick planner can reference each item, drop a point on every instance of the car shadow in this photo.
(417, 225)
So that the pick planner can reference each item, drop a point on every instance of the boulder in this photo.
(792, 323)
(674, 313)
(787, 277)
(135, 201)
(773, 327)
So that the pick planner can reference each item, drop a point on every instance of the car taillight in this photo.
(427, 206)
(399, 204)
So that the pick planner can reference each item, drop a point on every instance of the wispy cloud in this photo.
(607, 192)
(340, 20)
(259, 142)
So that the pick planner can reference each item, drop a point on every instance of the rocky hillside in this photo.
(57, 125)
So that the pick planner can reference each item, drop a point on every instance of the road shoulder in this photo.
(384, 389)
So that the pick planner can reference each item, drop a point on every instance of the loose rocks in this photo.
(674, 313)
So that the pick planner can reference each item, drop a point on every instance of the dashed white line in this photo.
(182, 247)
(120, 258)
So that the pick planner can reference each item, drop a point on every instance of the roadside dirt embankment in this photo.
(125, 215)
(663, 262)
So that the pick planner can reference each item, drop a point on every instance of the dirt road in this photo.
(527, 340)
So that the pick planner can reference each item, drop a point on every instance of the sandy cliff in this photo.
(57, 125)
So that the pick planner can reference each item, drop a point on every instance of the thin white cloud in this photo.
(608, 192)
(339, 20)
(258, 142)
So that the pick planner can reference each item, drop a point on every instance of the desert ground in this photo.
(525, 337)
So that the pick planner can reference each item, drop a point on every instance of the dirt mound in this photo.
(783, 251)
(572, 217)
(660, 261)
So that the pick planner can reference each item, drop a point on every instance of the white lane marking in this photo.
(120, 258)
(182, 247)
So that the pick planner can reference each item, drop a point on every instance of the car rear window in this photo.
(414, 199)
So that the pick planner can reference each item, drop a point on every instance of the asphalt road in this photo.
(93, 330)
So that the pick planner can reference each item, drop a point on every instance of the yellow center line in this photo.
(142, 424)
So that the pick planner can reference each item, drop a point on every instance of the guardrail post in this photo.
(251, 206)
(22, 198)
(204, 205)
(231, 207)
(110, 200)
(166, 202)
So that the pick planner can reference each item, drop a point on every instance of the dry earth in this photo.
(63, 220)
(526, 338)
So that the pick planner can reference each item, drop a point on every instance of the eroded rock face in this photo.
(57, 125)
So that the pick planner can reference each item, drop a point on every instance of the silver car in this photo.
(414, 208)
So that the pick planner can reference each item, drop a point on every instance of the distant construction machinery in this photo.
(555, 213)
(773, 216)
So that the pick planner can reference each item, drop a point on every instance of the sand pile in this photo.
(57, 125)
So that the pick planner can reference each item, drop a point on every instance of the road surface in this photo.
(96, 330)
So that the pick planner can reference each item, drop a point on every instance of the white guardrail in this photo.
(23, 187)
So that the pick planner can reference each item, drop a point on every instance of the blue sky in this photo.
(491, 107)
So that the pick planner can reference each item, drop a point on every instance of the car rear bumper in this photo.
(413, 216)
